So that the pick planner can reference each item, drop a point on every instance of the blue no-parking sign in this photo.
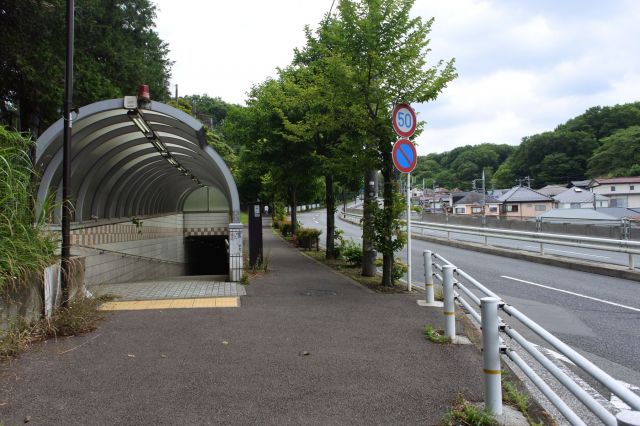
(405, 156)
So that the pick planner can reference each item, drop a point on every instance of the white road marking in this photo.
(573, 294)
(570, 252)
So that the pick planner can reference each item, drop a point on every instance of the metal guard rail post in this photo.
(626, 395)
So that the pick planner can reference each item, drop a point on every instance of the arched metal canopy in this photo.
(119, 170)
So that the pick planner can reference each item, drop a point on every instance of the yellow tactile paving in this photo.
(136, 305)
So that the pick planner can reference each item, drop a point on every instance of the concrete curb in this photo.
(546, 259)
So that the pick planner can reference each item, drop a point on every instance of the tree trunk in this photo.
(294, 213)
(388, 173)
(331, 214)
(368, 230)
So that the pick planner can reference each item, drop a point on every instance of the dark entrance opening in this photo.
(206, 255)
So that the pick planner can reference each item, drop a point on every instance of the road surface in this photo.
(598, 316)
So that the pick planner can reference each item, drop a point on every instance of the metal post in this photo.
(409, 231)
(65, 267)
(428, 276)
(449, 305)
(631, 261)
(628, 418)
(491, 355)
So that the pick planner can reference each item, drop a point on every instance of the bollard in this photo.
(449, 305)
(631, 262)
(428, 276)
(628, 418)
(491, 355)
(541, 248)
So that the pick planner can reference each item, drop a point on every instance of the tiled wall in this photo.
(124, 251)
(120, 252)
(206, 224)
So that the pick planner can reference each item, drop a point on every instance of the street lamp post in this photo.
(65, 267)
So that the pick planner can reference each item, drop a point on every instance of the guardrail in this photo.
(632, 248)
(493, 346)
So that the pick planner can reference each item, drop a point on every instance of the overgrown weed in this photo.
(81, 316)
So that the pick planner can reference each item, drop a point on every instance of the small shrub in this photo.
(285, 228)
(352, 253)
(399, 270)
(308, 237)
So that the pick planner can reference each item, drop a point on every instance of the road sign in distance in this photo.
(404, 120)
(405, 156)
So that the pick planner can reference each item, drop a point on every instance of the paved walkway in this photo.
(307, 346)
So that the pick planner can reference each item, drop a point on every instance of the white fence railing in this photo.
(632, 248)
(457, 287)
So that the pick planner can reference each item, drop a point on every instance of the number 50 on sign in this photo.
(404, 120)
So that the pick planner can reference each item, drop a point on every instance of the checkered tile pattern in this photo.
(190, 232)
(120, 233)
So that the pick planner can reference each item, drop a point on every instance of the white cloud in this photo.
(524, 67)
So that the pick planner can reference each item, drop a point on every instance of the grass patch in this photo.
(26, 249)
(353, 272)
(435, 336)
(244, 218)
(513, 396)
(81, 316)
(465, 413)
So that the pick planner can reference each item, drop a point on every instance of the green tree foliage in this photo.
(116, 49)
(206, 107)
(538, 156)
(459, 167)
(604, 121)
(583, 147)
(619, 154)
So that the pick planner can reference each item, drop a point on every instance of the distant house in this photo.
(584, 184)
(606, 215)
(552, 190)
(524, 202)
(472, 203)
(621, 191)
(578, 198)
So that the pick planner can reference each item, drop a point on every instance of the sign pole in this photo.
(405, 157)
(409, 231)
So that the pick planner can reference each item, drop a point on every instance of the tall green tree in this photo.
(386, 50)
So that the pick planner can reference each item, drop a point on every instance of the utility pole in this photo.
(484, 200)
(176, 92)
(434, 197)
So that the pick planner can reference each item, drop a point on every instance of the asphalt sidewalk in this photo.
(307, 346)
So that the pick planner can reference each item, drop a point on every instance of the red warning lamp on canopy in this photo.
(143, 93)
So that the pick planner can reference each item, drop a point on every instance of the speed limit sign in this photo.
(404, 120)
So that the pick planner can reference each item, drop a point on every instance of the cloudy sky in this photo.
(524, 66)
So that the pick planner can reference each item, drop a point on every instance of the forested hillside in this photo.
(604, 141)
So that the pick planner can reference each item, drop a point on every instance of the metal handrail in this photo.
(632, 248)
(616, 388)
